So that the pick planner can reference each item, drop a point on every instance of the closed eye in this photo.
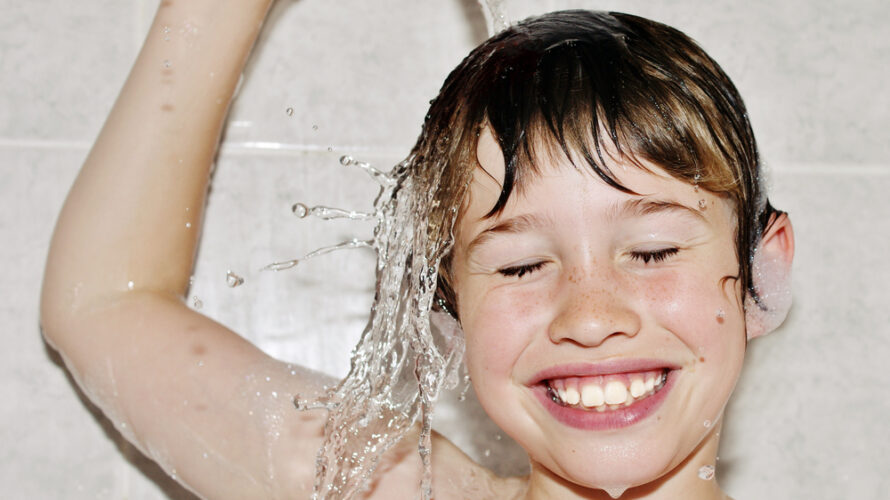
(653, 255)
(520, 271)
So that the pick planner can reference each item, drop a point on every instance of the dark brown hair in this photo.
(586, 82)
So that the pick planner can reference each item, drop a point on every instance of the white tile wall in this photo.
(808, 417)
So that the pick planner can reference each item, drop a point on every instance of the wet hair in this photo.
(591, 86)
(594, 86)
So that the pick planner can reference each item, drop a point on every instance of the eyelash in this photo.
(654, 256)
(520, 271)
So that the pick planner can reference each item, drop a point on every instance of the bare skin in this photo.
(188, 392)
(209, 406)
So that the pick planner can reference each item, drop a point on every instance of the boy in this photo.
(600, 181)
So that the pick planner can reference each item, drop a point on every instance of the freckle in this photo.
(166, 107)
(200, 407)
(701, 359)
(199, 349)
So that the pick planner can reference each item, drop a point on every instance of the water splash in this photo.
(287, 264)
(380, 177)
(327, 213)
(495, 15)
(404, 357)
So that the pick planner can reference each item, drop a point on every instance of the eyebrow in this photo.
(517, 224)
(647, 206)
(631, 208)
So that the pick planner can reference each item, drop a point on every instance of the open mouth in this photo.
(604, 393)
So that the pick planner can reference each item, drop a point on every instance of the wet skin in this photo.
(574, 278)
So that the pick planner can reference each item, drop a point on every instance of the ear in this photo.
(771, 278)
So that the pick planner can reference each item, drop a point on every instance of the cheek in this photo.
(701, 309)
(498, 327)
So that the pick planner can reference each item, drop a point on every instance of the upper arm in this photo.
(206, 404)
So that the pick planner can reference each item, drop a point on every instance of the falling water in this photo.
(495, 17)
(401, 363)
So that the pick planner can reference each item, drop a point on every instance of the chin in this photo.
(611, 468)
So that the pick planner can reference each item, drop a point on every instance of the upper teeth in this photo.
(608, 392)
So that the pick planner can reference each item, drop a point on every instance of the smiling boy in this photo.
(605, 250)
(600, 183)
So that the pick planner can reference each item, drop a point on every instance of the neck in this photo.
(682, 481)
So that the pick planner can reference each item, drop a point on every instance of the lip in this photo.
(612, 419)
(613, 367)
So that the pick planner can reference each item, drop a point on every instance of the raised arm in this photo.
(203, 402)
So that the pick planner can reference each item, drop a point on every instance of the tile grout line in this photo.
(863, 169)
(246, 148)
(238, 148)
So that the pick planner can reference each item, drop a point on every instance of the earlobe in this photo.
(771, 278)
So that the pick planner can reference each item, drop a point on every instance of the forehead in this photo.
(559, 191)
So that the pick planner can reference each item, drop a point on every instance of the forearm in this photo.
(131, 220)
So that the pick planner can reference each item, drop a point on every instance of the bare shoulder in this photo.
(455, 475)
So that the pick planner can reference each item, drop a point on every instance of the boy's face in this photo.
(577, 293)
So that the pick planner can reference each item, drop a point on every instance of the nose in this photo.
(592, 310)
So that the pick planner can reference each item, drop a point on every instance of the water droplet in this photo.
(615, 492)
(131, 285)
(188, 225)
(196, 302)
(289, 111)
(167, 63)
(706, 472)
(487, 452)
(233, 280)
(697, 178)
(330, 148)
(300, 210)
(702, 204)
(497, 437)
(707, 424)
(315, 127)
(205, 454)
(720, 316)
(346, 160)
